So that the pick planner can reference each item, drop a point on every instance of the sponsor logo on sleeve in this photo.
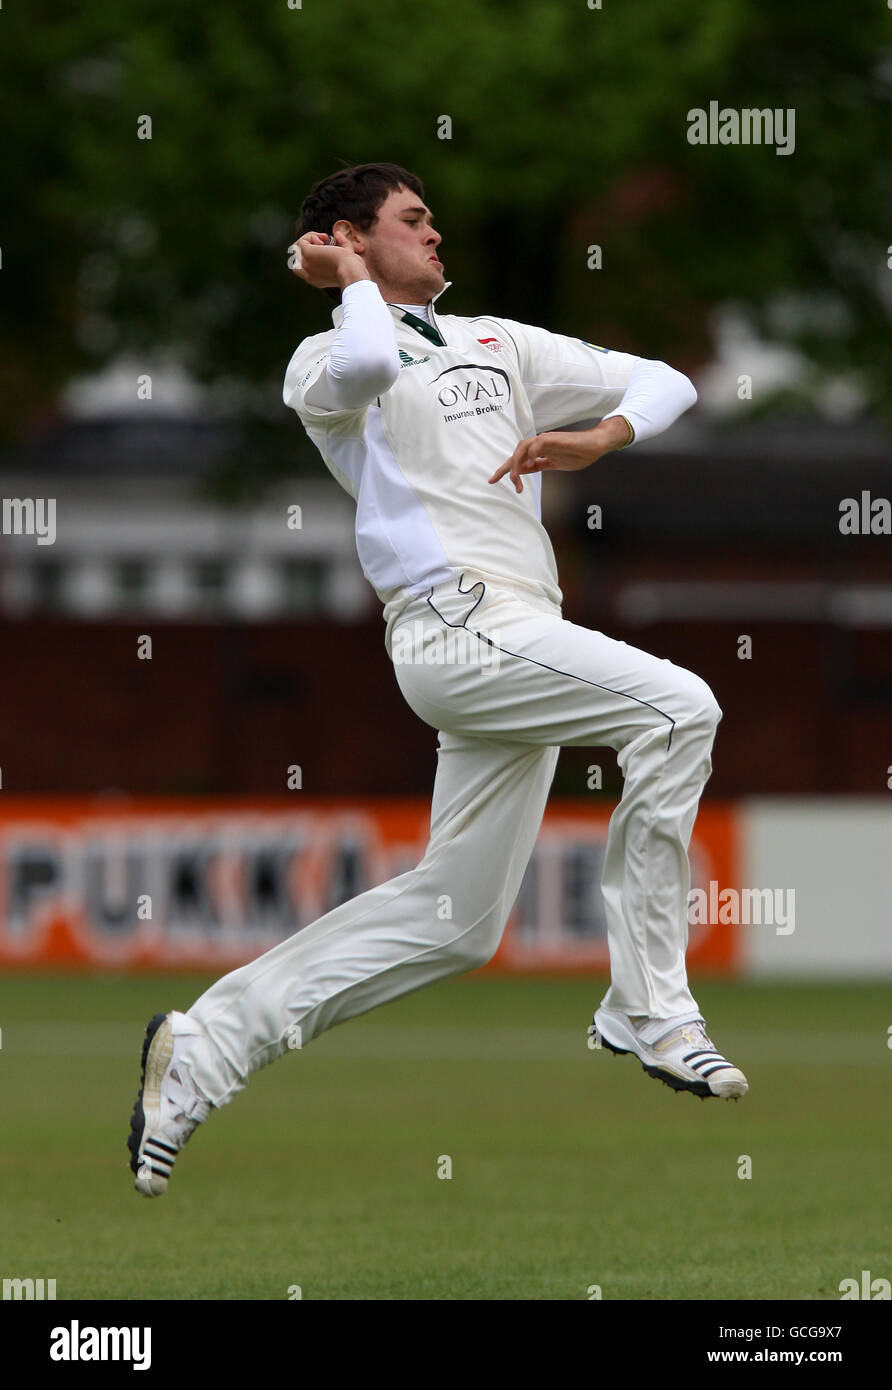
(310, 370)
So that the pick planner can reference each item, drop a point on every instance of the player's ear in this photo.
(344, 235)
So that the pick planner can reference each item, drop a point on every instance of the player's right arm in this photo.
(363, 361)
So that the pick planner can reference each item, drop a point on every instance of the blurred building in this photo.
(185, 525)
(141, 527)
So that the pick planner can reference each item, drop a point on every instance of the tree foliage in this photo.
(569, 129)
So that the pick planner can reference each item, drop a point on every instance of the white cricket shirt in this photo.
(417, 458)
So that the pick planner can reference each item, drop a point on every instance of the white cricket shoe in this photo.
(683, 1056)
(168, 1109)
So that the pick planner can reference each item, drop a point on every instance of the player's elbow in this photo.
(687, 391)
(667, 384)
(383, 372)
(376, 375)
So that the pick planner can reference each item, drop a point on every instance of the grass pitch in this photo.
(570, 1168)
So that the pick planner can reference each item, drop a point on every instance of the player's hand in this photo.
(326, 262)
(563, 449)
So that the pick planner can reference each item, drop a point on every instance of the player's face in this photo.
(400, 250)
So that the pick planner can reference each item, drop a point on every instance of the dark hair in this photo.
(354, 194)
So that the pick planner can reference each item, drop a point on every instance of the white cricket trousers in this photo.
(506, 682)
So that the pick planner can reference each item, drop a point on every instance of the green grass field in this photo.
(569, 1167)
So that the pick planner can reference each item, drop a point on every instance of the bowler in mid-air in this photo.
(440, 427)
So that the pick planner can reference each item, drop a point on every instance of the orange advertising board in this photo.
(189, 883)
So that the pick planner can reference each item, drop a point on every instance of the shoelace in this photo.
(187, 1104)
(696, 1033)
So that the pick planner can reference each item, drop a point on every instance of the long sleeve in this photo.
(571, 381)
(363, 360)
(654, 398)
(361, 363)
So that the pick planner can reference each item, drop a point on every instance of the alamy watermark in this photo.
(29, 516)
(771, 907)
(29, 1289)
(749, 126)
(868, 1288)
(451, 646)
(76, 1343)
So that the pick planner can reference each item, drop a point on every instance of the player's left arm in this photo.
(568, 380)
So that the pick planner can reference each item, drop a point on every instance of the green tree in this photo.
(569, 128)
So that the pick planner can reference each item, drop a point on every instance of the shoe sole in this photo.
(153, 1064)
(676, 1083)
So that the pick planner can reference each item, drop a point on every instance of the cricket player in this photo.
(440, 427)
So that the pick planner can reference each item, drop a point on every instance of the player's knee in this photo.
(699, 707)
(707, 712)
(475, 947)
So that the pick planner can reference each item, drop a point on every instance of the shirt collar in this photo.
(338, 312)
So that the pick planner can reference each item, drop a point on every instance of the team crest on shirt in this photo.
(492, 343)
